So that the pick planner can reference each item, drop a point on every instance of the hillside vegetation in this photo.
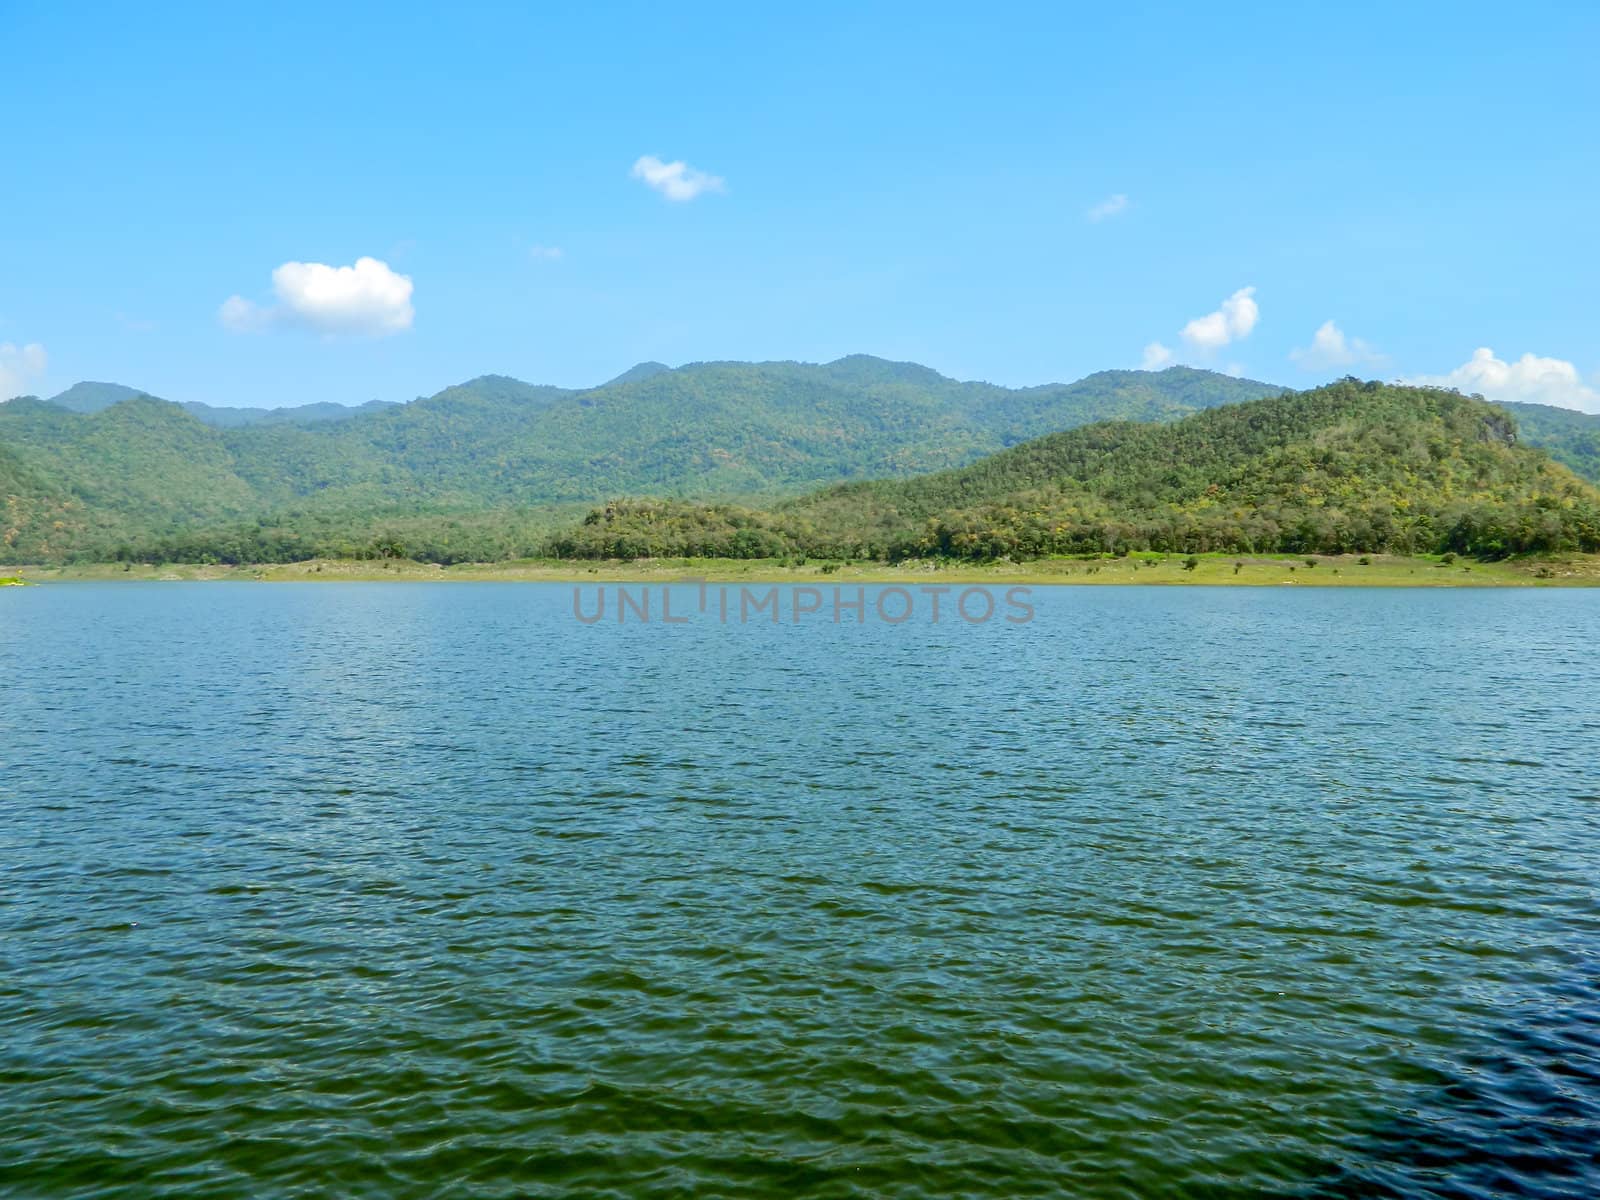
(38, 523)
(91, 397)
(489, 468)
(1344, 468)
(1571, 438)
(710, 429)
(859, 458)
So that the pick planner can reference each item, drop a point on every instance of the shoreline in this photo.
(1143, 568)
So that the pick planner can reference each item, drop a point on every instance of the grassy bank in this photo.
(1378, 570)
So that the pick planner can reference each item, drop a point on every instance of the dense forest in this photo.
(91, 397)
(858, 458)
(488, 469)
(1348, 467)
(1572, 438)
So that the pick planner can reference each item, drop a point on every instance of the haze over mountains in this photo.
(90, 397)
(490, 467)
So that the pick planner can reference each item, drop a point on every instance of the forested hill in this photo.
(1348, 467)
(91, 397)
(1571, 437)
(140, 476)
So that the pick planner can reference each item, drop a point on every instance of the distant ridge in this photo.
(465, 472)
(92, 397)
(302, 414)
(1570, 436)
(637, 372)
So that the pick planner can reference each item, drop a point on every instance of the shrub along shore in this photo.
(1346, 570)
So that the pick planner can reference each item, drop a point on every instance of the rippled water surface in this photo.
(414, 891)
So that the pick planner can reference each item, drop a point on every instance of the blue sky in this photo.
(916, 181)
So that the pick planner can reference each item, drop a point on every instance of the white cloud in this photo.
(1331, 348)
(676, 180)
(1156, 357)
(241, 316)
(1234, 319)
(19, 365)
(1111, 206)
(366, 298)
(1531, 379)
(545, 253)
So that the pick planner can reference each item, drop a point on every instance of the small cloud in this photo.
(1156, 357)
(1331, 348)
(366, 298)
(676, 180)
(243, 316)
(1111, 206)
(135, 324)
(544, 253)
(1530, 380)
(19, 366)
(1233, 320)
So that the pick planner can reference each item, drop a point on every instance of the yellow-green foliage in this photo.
(477, 469)
(1344, 468)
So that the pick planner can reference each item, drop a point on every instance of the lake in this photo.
(370, 890)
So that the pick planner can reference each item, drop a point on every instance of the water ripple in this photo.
(391, 891)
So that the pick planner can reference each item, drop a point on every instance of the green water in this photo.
(417, 891)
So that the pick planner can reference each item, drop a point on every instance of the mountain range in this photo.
(494, 467)
(98, 471)
(90, 397)
(1344, 468)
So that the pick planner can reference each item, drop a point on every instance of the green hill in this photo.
(637, 372)
(483, 467)
(140, 460)
(90, 397)
(300, 414)
(38, 522)
(707, 429)
(1348, 467)
(1568, 436)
